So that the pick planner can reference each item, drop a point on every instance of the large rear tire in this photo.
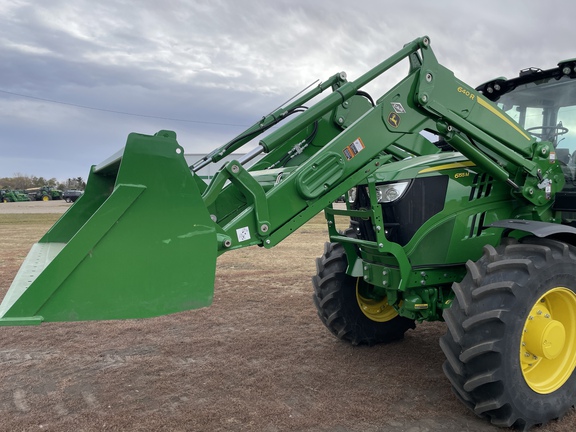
(346, 310)
(510, 344)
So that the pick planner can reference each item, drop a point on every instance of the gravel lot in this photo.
(34, 207)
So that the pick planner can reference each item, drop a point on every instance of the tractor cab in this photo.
(543, 102)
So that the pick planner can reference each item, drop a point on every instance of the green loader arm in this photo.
(143, 239)
(429, 98)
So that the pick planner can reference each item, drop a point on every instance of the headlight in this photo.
(390, 192)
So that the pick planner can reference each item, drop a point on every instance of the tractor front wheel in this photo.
(510, 344)
(346, 308)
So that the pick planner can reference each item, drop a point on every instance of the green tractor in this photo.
(13, 196)
(461, 205)
(44, 193)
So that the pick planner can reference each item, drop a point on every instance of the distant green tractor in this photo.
(12, 196)
(44, 193)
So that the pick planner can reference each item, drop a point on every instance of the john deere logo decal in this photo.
(393, 119)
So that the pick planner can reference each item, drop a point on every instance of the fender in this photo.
(539, 229)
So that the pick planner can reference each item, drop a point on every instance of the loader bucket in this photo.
(139, 243)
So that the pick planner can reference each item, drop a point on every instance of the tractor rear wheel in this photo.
(345, 308)
(510, 344)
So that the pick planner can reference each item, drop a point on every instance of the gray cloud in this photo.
(217, 64)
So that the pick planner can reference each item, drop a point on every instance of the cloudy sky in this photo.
(78, 76)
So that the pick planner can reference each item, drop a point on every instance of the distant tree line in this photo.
(22, 181)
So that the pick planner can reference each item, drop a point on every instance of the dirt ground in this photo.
(258, 359)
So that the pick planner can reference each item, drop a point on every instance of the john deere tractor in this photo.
(44, 193)
(461, 206)
(7, 195)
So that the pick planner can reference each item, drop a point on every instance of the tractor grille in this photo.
(424, 198)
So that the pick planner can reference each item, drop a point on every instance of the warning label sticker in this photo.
(398, 108)
(353, 149)
(243, 234)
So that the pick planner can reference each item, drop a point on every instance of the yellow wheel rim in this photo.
(45, 198)
(375, 310)
(548, 345)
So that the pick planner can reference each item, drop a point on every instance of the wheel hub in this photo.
(544, 336)
(375, 309)
(548, 343)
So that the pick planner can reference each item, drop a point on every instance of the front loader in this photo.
(461, 207)
(13, 196)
